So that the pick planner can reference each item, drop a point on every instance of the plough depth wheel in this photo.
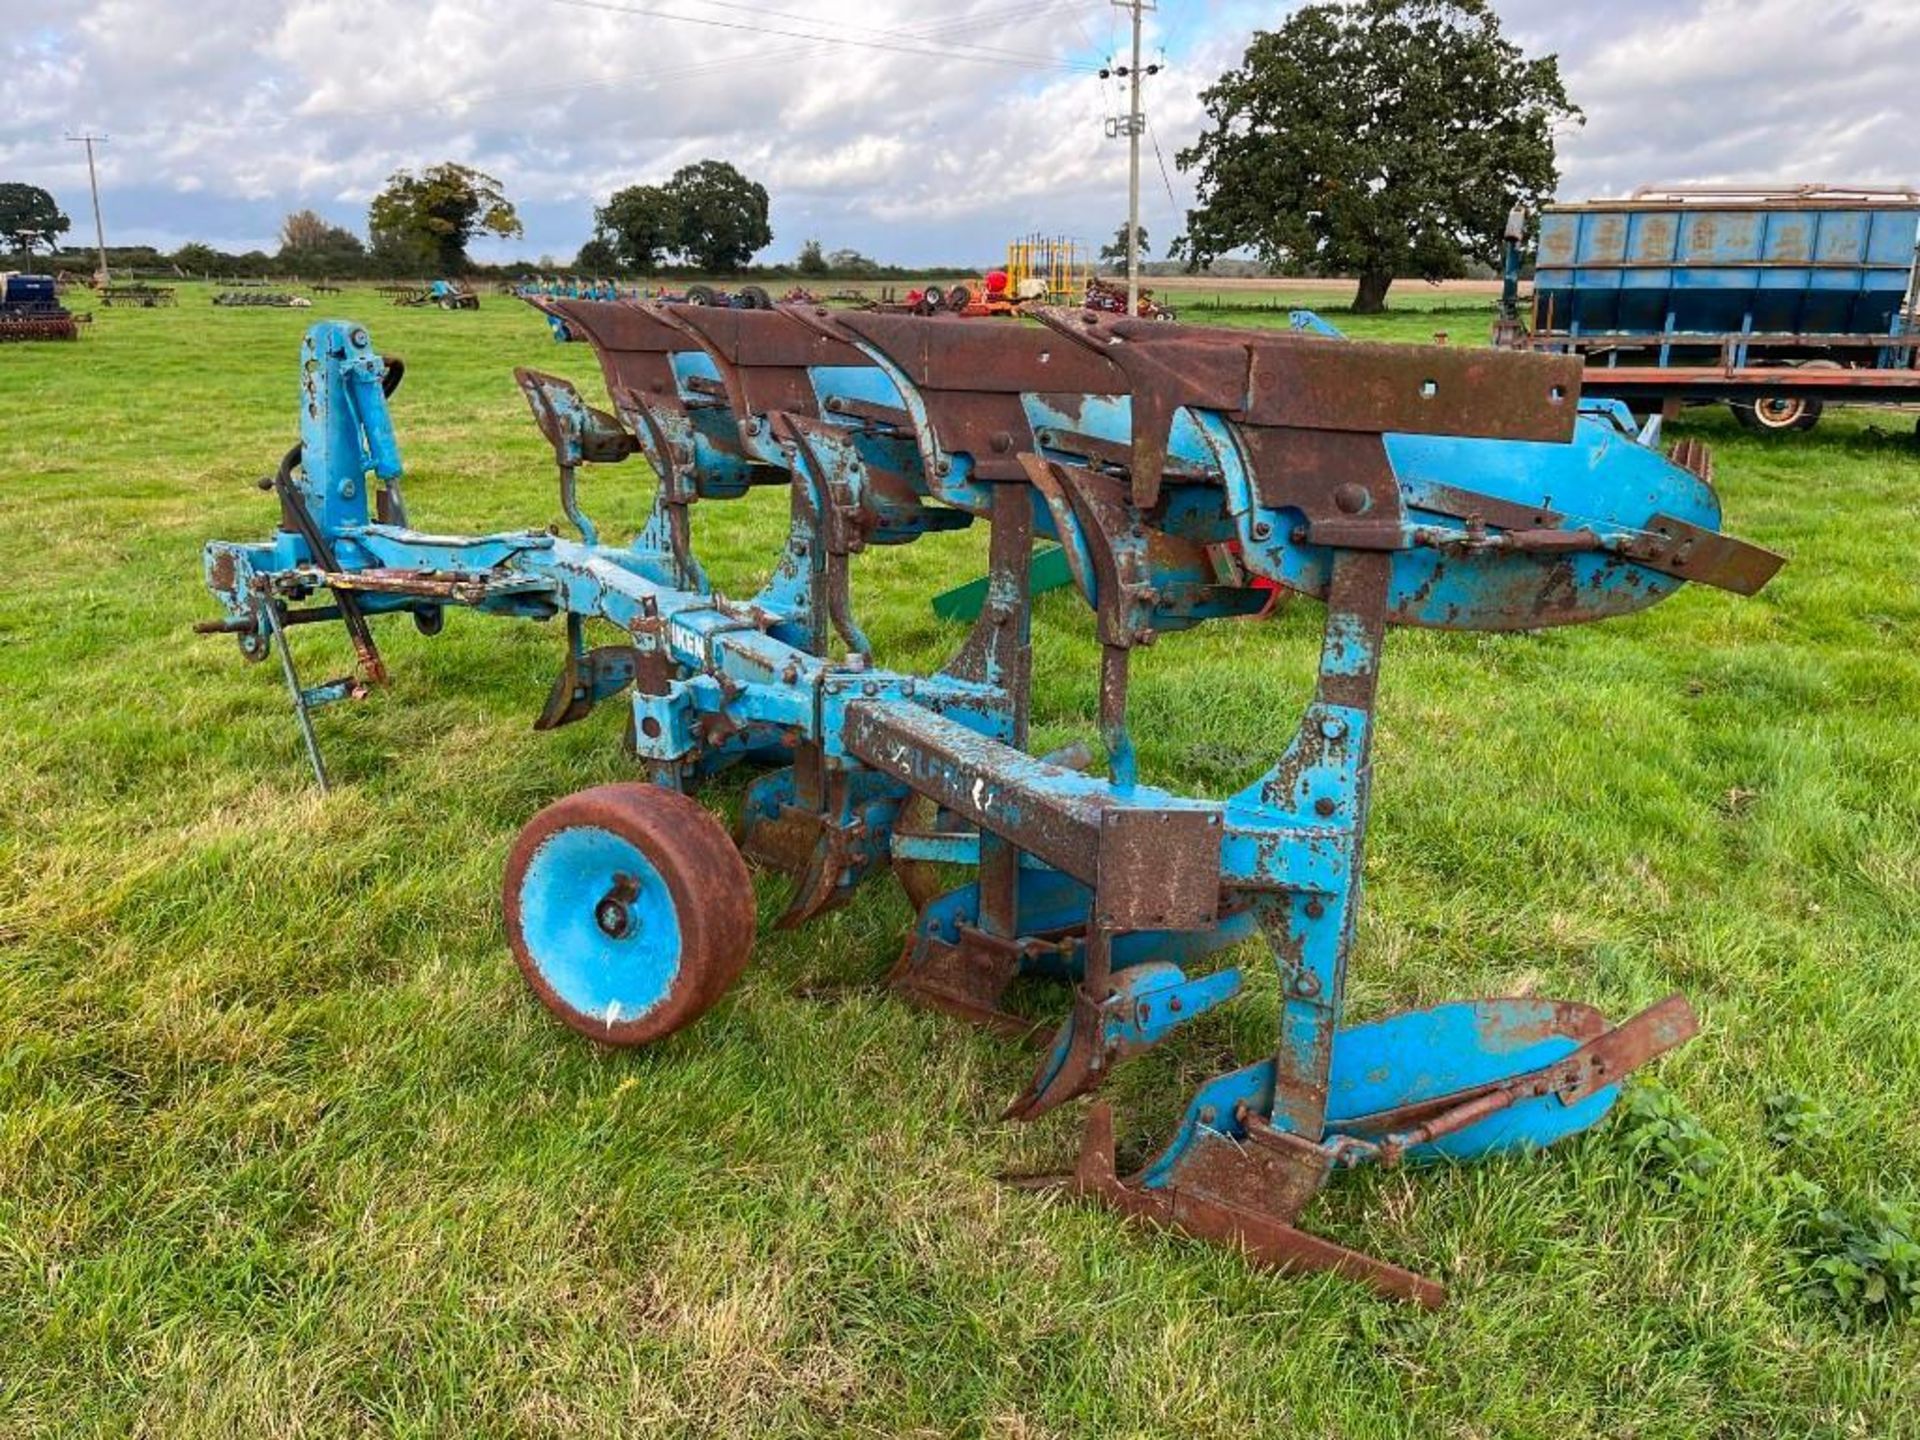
(629, 911)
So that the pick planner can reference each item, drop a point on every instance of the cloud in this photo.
(935, 139)
(1733, 91)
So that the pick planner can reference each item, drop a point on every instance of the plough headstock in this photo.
(1176, 467)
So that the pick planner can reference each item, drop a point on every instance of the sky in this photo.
(916, 133)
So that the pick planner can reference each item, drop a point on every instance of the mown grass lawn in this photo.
(287, 1148)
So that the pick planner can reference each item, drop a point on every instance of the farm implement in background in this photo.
(137, 296)
(1398, 485)
(262, 300)
(442, 294)
(30, 309)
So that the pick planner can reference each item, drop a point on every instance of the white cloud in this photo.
(226, 115)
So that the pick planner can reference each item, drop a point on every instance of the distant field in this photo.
(288, 1149)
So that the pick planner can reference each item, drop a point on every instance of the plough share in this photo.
(1175, 465)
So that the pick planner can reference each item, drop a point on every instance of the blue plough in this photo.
(1174, 466)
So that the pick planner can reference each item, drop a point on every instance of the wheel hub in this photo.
(614, 913)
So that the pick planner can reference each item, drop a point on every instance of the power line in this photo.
(1171, 33)
(986, 54)
(966, 22)
(648, 79)
(1165, 178)
(656, 76)
(1101, 101)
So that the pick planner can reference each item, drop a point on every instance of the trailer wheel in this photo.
(1775, 414)
(755, 297)
(629, 911)
(701, 295)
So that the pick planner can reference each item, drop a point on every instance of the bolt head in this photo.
(613, 918)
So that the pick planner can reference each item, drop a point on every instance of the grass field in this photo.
(287, 1148)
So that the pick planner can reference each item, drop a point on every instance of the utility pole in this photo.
(1133, 125)
(99, 230)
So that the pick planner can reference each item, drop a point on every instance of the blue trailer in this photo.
(1774, 302)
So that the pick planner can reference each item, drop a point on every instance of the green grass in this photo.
(287, 1148)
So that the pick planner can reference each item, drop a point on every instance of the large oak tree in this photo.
(436, 213)
(1381, 138)
(707, 215)
(29, 218)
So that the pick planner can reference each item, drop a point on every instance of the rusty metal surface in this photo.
(631, 343)
(1265, 1239)
(1154, 859)
(1694, 456)
(966, 978)
(1674, 547)
(1296, 384)
(971, 378)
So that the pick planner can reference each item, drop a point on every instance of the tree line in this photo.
(707, 218)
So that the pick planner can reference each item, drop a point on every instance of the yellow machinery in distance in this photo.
(1051, 269)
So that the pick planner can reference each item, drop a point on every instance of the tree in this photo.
(194, 258)
(850, 262)
(597, 257)
(639, 224)
(1116, 249)
(396, 254)
(812, 261)
(437, 212)
(310, 243)
(721, 216)
(304, 230)
(708, 215)
(1379, 138)
(29, 218)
